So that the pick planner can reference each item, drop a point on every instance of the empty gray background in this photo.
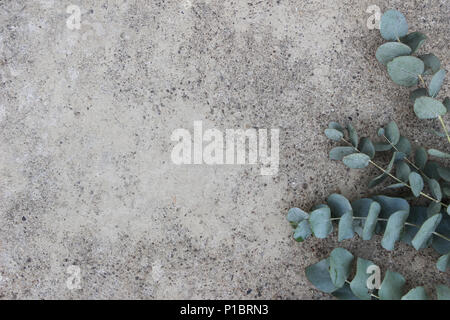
(86, 115)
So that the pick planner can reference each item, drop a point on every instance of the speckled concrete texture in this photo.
(86, 115)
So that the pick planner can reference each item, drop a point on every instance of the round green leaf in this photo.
(417, 93)
(446, 103)
(356, 160)
(392, 286)
(392, 132)
(404, 146)
(416, 183)
(444, 173)
(442, 292)
(394, 229)
(303, 231)
(339, 205)
(414, 40)
(335, 125)
(432, 63)
(338, 153)
(426, 231)
(371, 221)
(436, 83)
(340, 266)
(428, 108)
(402, 171)
(438, 154)
(405, 70)
(366, 146)
(345, 230)
(388, 51)
(435, 189)
(417, 293)
(420, 158)
(393, 25)
(359, 282)
(353, 135)
(318, 274)
(296, 215)
(320, 222)
(334, 134)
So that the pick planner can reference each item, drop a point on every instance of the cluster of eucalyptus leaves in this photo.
(393, 218)
(414, 170)
(331, 275)
(423, 71)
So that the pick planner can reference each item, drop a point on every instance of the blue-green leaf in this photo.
(417, 293)
(428, 108)
(335, 125)
(436, 83)
(389, 205)
(318, 274)
(435, 189)
(414, 40)
(420, 158)
(353, 135)
(443, 292)
(433, 208)
(340, 266)
(444, 173)
(320, 222)
(438, 154)
(393, 25)
(366, 146)
(359, 282)
(338, 204)
(444, 262)
(402, 171)
(302, 232)
(439, 244)
(392, 132)
(417, 93)
(417, 216)
(344, 293)
(405, 70)
(345, 230)
(392, 286)
(334, 134)
(404, 146)
(432, 63)
(296, 215)
(446, 103)
(394, 229)
(390, 50)
(356, 160)
(379, 146)
(416, 183)
(338, 153)
(371, 221)
(426, 231)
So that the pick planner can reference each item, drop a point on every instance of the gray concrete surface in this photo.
(86, 115)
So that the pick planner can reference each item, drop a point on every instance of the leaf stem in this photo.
(444, 127)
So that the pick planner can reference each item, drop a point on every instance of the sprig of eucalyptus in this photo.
(411, 71)
(413, 175)
(331, 275)
(392, 217)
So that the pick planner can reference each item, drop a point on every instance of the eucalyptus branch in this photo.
(397, 179)
(406, 223)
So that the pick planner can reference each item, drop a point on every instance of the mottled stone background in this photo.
(86, 115)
